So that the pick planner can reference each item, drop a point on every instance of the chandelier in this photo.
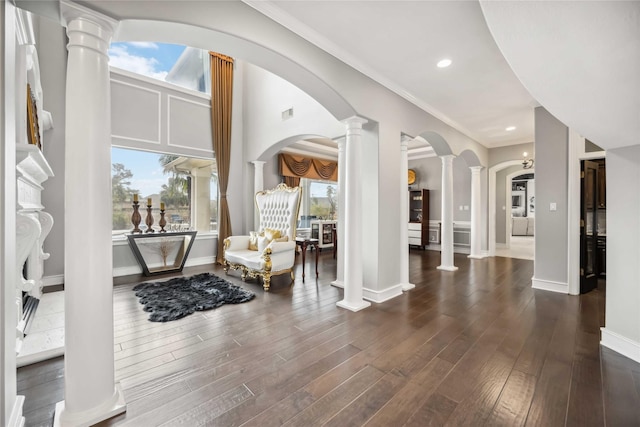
(526, 163)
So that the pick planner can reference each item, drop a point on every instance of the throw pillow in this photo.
(263, 242)
(271, 234)
(253, 240)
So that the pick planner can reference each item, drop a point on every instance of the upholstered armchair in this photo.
(271, 250)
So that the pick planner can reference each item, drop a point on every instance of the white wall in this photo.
(147, 114)
(551, 236)
(622, 323)
(52, 51)
(266, 96)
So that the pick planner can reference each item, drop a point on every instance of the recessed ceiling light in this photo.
(510, 128)
(444, 63)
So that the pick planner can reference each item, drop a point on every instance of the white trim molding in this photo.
(40, 356)
(383, 295)
(136, 269)
(16, 419)
(57, 279)
(550, 285)
(620, 344)
(338, 284)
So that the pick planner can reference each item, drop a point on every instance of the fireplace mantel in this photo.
(33, 225)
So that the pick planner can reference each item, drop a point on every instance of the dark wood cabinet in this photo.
(419, 218)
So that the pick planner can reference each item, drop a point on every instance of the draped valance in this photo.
(292, 165)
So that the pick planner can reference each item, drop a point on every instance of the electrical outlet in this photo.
(553, 207)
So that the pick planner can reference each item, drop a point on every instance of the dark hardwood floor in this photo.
(474, 347)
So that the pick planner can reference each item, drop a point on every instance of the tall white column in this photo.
(91, 394)
(258, 185)
(476, 233)
(446, 246)
(353, 293)
(342, 163)
(10, 403)
(201, 198)
(404, 214)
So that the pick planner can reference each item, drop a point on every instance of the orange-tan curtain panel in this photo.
(291, 181)
(221, 103)
(307, 167)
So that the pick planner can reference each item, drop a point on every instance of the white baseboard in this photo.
(447, 268)
(620, 344)
(16, 419)
(456, 249)
(501, 245)
(351, 307)
(407, 286)
(481, 256)
(192, 262)
(383, 295)
(30, 359)
(549, 285)
(126, 271)
(136, 269)
(338, 284)
(57, 279)
(485, 254)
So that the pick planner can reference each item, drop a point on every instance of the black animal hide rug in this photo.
(181, 296)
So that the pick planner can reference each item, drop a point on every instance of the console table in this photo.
(160, 253)
(304, 242)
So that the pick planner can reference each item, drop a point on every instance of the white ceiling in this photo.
(398, 44)
(579, 59)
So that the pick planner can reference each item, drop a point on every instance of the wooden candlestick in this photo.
(162, 221)
(149, 220)
(136, 218)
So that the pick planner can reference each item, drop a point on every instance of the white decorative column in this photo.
(11, 404)
(476, 233)
(339, 282)
(258, 185)
(404, 214)
(352, 236)
(91, 394)
(201, 197)
(446, 246)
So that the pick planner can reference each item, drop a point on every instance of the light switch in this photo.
(460, 207)
(466, 207)
(553, 207)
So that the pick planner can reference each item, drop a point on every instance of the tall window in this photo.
(320, 201)
(181, 65)
(187, 186)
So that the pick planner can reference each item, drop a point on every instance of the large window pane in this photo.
(320, 201)
(185, 185)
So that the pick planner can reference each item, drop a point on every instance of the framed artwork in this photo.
(33, 129)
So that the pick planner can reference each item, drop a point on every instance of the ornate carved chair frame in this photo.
(278, 209)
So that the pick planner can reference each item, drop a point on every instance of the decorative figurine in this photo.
(135, 216)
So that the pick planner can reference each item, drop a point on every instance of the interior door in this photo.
(588, 227)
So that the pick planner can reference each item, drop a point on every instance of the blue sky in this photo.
(146, 58)
(147, 172)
